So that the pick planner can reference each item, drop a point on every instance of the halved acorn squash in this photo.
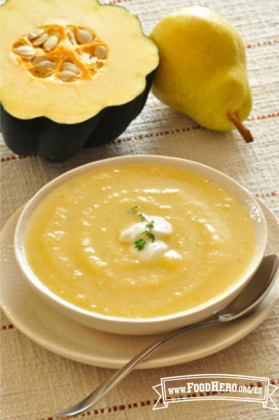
(74, 74)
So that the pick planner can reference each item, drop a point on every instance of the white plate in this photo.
(53, 331)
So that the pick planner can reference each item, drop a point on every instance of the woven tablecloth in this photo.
(35, 382)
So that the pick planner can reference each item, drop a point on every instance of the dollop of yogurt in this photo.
(152, 250)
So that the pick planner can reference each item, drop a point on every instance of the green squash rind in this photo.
(56, 142)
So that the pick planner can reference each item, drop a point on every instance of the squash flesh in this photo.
(132, 56)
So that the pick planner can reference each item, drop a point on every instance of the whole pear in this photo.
(202, 71)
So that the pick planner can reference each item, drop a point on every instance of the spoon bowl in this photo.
(255, 291)
(253, 294)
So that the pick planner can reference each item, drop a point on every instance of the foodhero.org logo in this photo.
(215, 387)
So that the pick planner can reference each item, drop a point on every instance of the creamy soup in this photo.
(140, 241)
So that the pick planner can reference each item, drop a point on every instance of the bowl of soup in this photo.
(140, 244)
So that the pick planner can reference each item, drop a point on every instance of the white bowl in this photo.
(150, 325)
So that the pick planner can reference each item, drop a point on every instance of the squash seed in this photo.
(100, 52)
(55, 33)
(98, 64)
(40, 58)
(40, 40)
(67, 76)
(51, 43)
(67, 66)
(71, 37)
(84, 37)
(45, 67)
(36, 32)
(25, 51)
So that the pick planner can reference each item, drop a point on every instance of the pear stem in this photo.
(246, 134)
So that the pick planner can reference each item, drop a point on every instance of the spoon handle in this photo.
(99, 393)
(265, 275)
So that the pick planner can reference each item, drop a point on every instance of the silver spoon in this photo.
(246, 302)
